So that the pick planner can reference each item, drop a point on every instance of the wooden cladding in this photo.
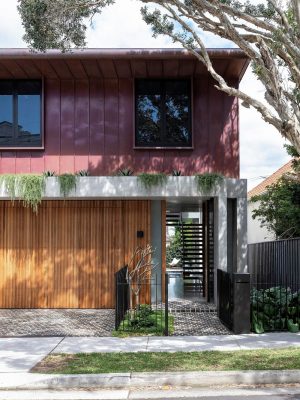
(67, 254)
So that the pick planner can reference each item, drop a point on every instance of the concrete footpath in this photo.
(19, 355)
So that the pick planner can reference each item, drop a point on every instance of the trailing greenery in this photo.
(28, 187)
(151, 180)
(144, 321)
(82, 172)
(125, 172)
(97, 363)
(207, 181)
(67, 182)
(278, 208)
(273, 309)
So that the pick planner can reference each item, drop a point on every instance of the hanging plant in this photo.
(67, 182)
(151, 180)
(29, 188)
(9, 182)
(206, 182)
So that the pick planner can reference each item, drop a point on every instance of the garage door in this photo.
(67, 254)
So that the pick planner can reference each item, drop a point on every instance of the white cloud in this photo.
(121, 25)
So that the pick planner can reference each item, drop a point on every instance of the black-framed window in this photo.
(163, 113)
(20, 113)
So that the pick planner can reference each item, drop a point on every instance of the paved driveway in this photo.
(21, 323)
(189, 319)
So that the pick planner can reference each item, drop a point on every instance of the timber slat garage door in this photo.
(67, 254)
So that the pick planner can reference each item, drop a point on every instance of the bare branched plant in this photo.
(140, 268)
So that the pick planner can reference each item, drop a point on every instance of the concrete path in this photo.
(73, 345)
(21, 354)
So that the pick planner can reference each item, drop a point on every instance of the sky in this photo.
(121, 25)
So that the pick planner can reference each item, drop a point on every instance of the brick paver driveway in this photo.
(65, 322)
(189, 319)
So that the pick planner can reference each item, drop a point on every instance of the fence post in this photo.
(116, 301)
(166, 305)
(241, 303)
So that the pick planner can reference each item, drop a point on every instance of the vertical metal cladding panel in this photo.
(89, 124)
(111, 125)
(96, 128)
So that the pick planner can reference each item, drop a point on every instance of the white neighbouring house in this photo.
(256, 232)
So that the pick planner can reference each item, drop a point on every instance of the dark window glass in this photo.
(20, 113)
(163, 113)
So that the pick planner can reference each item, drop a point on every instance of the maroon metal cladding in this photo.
(89, 115)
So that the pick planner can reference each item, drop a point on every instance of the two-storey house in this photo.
(104, 110)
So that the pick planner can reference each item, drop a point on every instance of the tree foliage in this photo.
(269, 33)
(174, 249)
(279, 207)
(61, 24)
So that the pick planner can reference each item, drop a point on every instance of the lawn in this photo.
(95, 363)
(144, 322)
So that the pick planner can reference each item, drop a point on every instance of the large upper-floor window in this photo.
(163, 113)
(20, 113)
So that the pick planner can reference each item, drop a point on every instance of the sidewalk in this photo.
(21, 354)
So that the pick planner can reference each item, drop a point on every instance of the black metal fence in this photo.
(275, 285)
(225, 296)
(277, 262)
(122, 295)
(142, 307)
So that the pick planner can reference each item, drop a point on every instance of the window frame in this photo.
(31, 148)
(162, 147)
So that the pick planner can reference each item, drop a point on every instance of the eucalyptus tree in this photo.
(268, 33)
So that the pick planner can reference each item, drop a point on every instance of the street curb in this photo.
(204, 379)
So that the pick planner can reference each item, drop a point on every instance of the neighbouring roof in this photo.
(122, 63)
(261, 188)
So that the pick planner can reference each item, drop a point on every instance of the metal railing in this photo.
(141, 307)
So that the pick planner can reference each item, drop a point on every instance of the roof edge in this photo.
(23, 53)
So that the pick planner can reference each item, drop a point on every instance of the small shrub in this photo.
(151, 180)
(125, 172)
(48, 174)
(82, 172)
(176, 172)
(206, 182)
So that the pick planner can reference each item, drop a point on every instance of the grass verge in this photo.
(95, 363)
